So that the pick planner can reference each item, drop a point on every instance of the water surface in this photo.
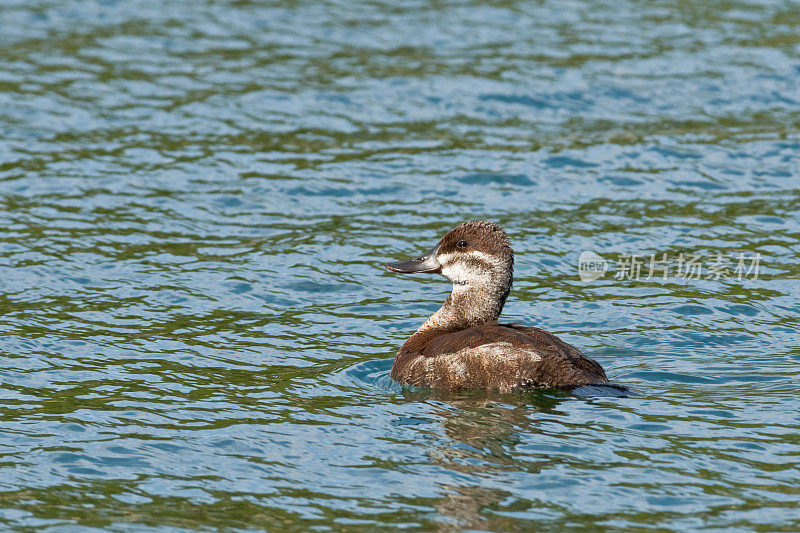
(195, 327)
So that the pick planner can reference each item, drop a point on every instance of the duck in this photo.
(462, 346)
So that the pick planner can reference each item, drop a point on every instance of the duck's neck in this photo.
(470, 304)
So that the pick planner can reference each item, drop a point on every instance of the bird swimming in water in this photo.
(462, 345)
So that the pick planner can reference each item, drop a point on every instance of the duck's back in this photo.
(502, 357)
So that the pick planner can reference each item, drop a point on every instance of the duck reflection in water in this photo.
(482, 430)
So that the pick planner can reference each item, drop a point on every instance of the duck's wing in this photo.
(563, 356)
(503, 357)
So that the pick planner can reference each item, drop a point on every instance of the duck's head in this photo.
(476, 256)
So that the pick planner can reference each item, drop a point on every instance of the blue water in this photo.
(196, 330)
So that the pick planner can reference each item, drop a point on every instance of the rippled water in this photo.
(197, 199)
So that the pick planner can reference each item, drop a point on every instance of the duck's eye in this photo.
(462, 244)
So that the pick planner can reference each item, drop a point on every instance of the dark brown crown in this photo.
(481, 235)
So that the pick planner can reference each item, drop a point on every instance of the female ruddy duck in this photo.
(462, 346)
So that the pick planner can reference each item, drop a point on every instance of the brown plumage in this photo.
(462, 346)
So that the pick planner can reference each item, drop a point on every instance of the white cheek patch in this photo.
(458, 273)
(461, 272)
(488, 258)
(445, 258)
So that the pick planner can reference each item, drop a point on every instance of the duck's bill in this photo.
(425, 263)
